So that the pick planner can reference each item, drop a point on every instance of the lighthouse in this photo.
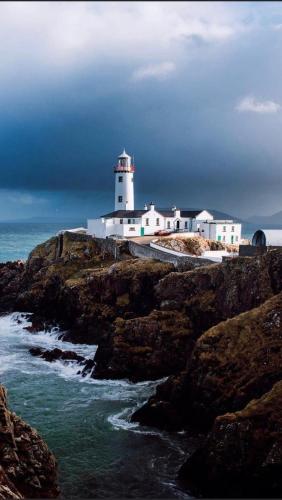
(124, 183)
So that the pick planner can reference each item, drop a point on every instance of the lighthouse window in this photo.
(120, 178)
(120, 199)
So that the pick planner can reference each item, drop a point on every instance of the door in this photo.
(142, 231)
(177, 225)
(219, 238)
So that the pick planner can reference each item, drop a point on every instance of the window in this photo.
(133, 221)
(223, 238)
(147, 222)
(236, 238)
(232, 229)
(120, 221)
(224, 229)
(128, 221)
(120, 199)
(186, 224)
(157, 222)
(168, 224)
(120, 178)
(132, 229)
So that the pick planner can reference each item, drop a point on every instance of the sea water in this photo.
(85, 422)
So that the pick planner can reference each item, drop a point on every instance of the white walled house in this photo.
(225, 231)
(126, 222)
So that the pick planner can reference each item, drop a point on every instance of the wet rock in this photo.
(88, 368)
(55, 354)
(27, 467)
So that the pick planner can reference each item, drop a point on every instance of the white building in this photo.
(225, 231)
(267, 238)
(125, 221)
(124, 187)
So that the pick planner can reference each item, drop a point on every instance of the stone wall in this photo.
(181, 263)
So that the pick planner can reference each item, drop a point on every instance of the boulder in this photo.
(55, 354)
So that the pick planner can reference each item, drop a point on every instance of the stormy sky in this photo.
(193, 90)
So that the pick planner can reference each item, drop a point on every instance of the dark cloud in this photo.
(61, 135)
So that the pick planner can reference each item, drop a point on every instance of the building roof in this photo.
(165, 212)
(190, 213)
(120, 214)
(168, 212)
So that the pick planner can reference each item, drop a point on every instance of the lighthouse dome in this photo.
(124, 155)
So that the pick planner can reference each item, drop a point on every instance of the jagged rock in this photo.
(233, 362)
(161, 343)
(147, 347)
(54, 354)
(27, 467)
(11, 275)
(242, 455)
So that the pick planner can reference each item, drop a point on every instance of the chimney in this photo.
(152, 206)
(145, 206)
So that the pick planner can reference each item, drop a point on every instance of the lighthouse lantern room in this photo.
(124, 183)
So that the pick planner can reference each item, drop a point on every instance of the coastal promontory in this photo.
(214, 331)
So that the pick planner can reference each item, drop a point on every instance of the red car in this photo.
(162, 232)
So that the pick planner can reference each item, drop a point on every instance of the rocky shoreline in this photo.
(214, 331)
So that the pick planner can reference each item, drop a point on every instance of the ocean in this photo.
(85, 422)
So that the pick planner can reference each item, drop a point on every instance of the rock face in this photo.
(188, 303)
(27, 467)
(145, 347)
(233, 362)
(242, 455)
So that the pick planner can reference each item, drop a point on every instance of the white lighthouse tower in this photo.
(124, 183)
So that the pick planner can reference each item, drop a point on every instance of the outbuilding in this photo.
(267, 238)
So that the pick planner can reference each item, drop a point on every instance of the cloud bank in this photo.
(168, 80)
(253, 105)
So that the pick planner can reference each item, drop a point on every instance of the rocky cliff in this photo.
(27, 467)
(215, 330)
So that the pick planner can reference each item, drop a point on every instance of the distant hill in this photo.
(266, 219)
